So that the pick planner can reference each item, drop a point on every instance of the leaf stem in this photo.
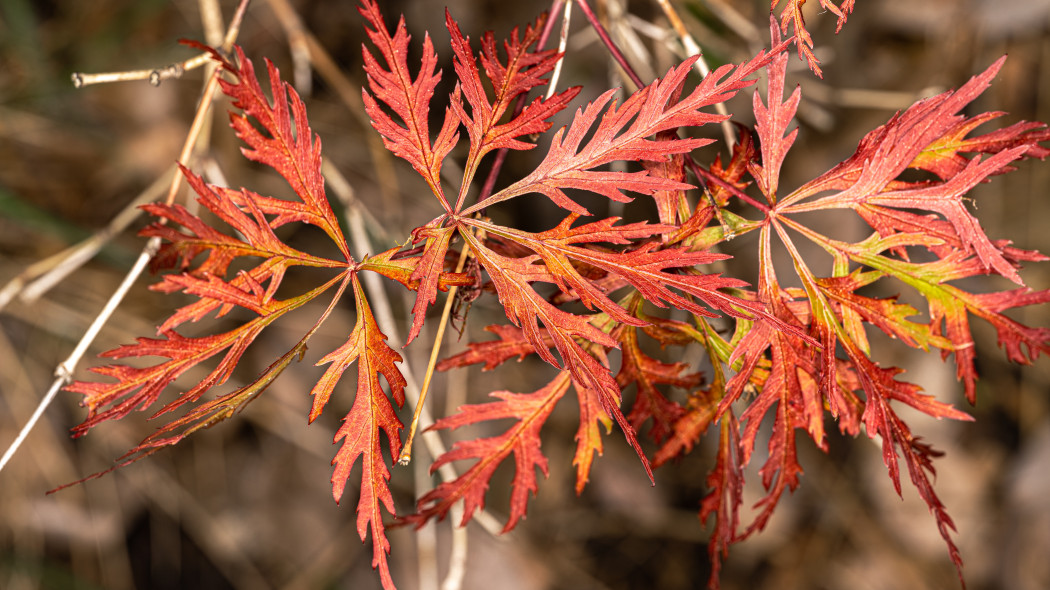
(707, 176)
(406, 452)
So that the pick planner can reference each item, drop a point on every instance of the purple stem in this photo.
(609, 44)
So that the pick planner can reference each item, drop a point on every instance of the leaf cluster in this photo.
(795, 358)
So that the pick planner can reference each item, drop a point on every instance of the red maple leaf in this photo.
(408, 97)
(371, 414)
(522, 440)
(296, 156)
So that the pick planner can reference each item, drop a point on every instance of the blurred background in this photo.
(248, 505)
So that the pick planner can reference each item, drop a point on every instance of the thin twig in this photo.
(64, 372)
(620, 27)
(406, 451)
(298, 45)
(211, 21)
(154, 75)
(738, 23)
(457, 559)
(426, 535)
(563, 42)
(215, 35)
(692, 48)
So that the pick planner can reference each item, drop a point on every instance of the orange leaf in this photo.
(371, 414)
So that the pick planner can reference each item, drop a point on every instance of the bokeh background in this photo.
(248, 505)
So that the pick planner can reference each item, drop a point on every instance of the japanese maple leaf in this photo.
(409, 99)
(726, 481)
(927, 136)
(522, 71)
(513, 343)
(205, 253)
(371, 415)
(522, 440)
(623, 133)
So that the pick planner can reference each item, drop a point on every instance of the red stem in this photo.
(706, 176)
